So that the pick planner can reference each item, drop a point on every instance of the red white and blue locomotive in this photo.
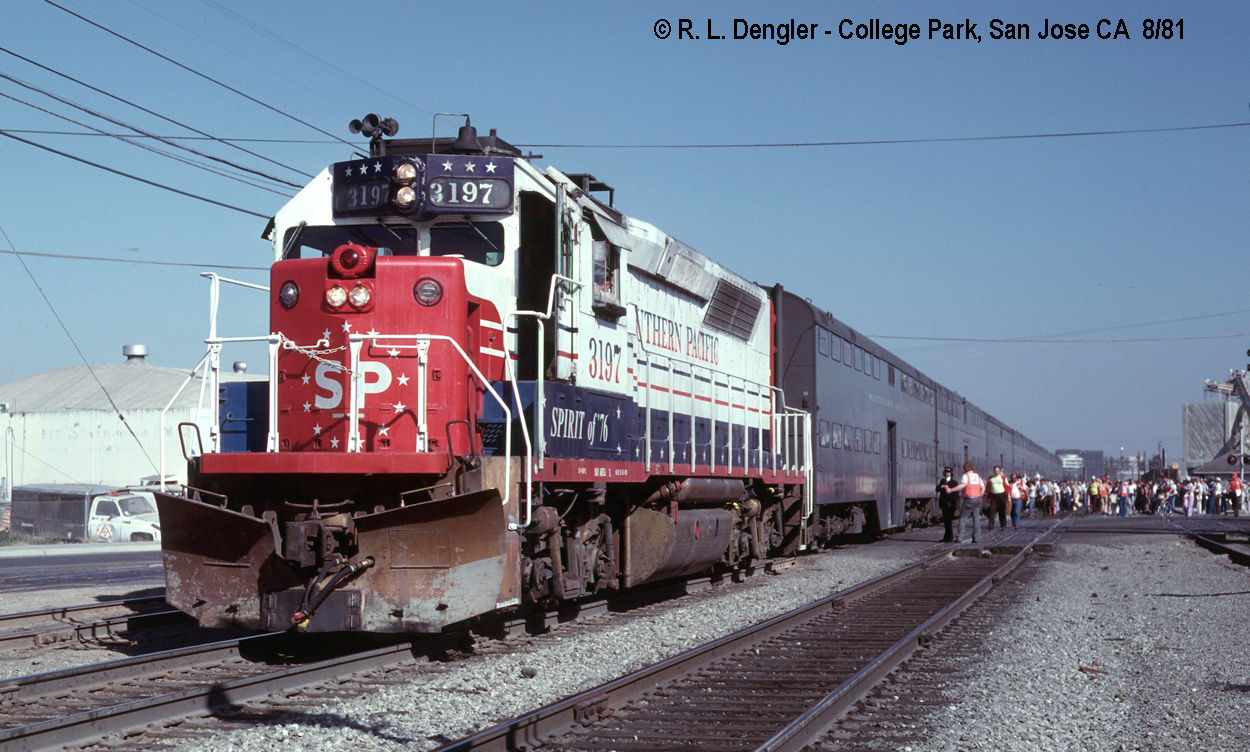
(488, 389)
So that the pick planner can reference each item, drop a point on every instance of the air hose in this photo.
(311, 603)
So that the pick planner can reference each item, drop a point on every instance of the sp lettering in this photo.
(330, 376)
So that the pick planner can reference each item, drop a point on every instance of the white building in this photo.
(62, 426)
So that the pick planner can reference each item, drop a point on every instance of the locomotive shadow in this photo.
(224, 710)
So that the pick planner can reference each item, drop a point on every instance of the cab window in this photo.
(480, 242)
(312, 242)
(107, 508)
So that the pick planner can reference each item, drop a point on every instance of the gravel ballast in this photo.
(1165, 620)
(475, 693)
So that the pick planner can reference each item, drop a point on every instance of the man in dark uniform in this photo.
(948, 502)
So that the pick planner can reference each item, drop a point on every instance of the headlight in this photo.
(336, 296)
(405, 197)
(359, 296)
(406, 171)
(427, 291)
(288, 296)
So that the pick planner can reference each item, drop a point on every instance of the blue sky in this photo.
(1137, 236)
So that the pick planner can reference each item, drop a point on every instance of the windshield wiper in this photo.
(290, 243)
(479, 232)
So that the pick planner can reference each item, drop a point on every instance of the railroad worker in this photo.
(1234, 494)
(970, 488)
(996, 490)
(948, 502)
(1124, 494)
(1017, 493)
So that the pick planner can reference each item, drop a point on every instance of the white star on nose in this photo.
(307, 407)
(377, 166)
(447, 165)
(347, 327)
(305, 379)
(317, 430)
(403, 380)
(468, 167)
(400, 407)
(334, 442)
(490, 167)
(393, 353)
(371, 333)
(382, 430)
(326, 334)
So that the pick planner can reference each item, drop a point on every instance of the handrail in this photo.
(781, 417)
(356, 340)
(516, 399)
(172, 400)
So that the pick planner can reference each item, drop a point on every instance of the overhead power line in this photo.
(187, 138)
(760, 145)
(135, 261)
(133, 177)
(145, 147)
(91, 370)
(203, 135)
(888, 141)
(188, 69)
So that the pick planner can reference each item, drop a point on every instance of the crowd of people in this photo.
(1000, 495)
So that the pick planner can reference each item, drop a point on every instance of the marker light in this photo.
(336, 296)
(405, 197)
(352, 260)
(288, 296)
(427, 291)
(406, 172)
(359, 296)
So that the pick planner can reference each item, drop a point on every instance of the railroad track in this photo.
(1218, 535)
(775, 686)
(142, 702)
(108, 622)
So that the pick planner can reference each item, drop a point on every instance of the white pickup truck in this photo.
(78, 512)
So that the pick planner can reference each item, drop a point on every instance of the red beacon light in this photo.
(351, 260)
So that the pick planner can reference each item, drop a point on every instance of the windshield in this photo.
(311, 242)
(135, 505)
(480, 242)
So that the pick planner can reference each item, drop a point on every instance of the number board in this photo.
(366, 195)
(367, 186)
(468, 184)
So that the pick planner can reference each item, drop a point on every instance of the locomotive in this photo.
(489, 388)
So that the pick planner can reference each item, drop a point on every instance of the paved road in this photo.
(77, 565)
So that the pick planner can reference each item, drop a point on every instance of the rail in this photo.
(951, 584)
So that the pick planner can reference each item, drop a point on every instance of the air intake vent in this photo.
(733, 310)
